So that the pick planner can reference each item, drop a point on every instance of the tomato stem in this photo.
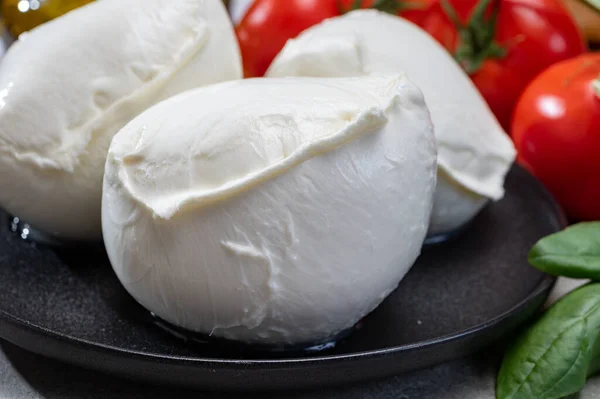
(390, 6)
(593, 3)
(476, 37)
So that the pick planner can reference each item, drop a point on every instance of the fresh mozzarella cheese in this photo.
(474, 152)
(271, 210)
(69, 85)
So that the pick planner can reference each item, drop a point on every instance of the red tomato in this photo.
(268, 24)
(556, 130)
(502, 44)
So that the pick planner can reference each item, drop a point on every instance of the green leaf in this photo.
(573, 252)
(553, 358)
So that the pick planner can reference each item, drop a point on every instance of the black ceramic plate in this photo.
(459, 297)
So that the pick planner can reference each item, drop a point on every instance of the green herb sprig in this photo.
(553, 358)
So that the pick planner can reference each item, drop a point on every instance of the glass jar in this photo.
(22, 15)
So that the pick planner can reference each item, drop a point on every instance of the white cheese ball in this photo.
(69, 85)
(271, 211)
(474, 152)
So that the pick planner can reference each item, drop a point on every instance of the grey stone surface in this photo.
(25, 375)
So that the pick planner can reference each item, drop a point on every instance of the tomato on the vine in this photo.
(556, 130)
(502, 44)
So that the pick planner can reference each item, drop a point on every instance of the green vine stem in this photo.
(476, 37)
(393, 7)
(593, 3)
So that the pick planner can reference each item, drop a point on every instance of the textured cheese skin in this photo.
(69, 85)
(474, 152)
(271, 210)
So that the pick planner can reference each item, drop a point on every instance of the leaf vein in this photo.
(567, 329)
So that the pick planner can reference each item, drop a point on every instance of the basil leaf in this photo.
(554, 357)
(573, 252)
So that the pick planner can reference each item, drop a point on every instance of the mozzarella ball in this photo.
(69, 85)
(272, 211)
(474, 152)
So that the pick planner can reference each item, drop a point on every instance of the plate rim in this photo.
(544, 285)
